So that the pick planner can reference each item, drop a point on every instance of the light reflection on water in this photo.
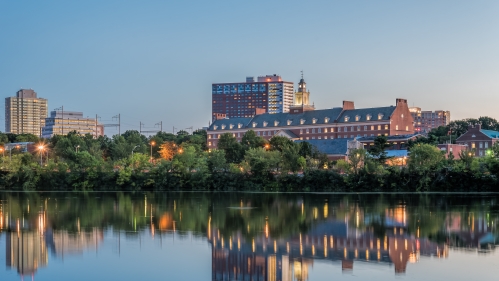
(279, 237)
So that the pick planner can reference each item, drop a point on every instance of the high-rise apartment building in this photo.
(62, 122)
(25, 113)
(268, 94)
(425, 121)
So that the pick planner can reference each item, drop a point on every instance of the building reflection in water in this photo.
(27, 249)
(268, 259)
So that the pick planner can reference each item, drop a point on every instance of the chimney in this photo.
(219, 116)
(401, 101)
(259, 111)
(348, 105)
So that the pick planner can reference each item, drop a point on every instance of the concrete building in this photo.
(269, 94)
(425, 121)
(25, 113)
(63, 122)
(477, 140)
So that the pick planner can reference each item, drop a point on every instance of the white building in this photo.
(62, 122)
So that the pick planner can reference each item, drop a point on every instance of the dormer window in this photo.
(223, 126)
(368, 117)
(276, 123)
(215, 127)
(302, 121)
(254, 124)
(347, 118)
(314, 120)
(380, 116)
(239, 126)
(231, 126)
(265, 123)
(289, 122)
(326, 120)
(357, 117)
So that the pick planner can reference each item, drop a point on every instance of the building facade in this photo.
(269, 94)
(425, 121)
(63, 122)
(477, 140)
(25, 113)
(334, 123)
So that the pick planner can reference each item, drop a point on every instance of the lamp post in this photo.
(77, 147)
(132, 156)
(152, 144)
(41, 147)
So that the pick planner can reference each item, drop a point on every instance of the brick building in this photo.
(478, 140)
(334, 123)
(269, 94)
(425, 121)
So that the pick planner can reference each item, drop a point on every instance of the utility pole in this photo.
(96, 125)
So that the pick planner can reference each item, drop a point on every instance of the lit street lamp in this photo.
(152, 144)
(41, 147)
(77, 147)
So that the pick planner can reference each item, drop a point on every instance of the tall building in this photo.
(425, 121)
(269, 94)
(25, 113)
(62, 122)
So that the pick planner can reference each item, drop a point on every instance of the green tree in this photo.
(251, 140)
(378, 150)
(261, 161)
(424, 157)
(233, 149)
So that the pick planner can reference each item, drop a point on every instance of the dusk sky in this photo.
(155, 61)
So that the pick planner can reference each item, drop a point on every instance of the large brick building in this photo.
(478, 140)
(425, 121)
(334, 123)
(268, 94)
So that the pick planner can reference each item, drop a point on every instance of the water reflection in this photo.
(252, 236)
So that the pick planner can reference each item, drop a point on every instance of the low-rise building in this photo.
(62, 122)
(477, 140)
(344, 122)
(452, 148)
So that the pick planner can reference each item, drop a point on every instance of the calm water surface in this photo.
(248, 236)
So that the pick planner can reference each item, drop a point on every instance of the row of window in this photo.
(480, 145)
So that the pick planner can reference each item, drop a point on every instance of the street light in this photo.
(77, 147)
(152, 144)
(41, 147)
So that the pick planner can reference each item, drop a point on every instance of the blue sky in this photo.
(155, 61)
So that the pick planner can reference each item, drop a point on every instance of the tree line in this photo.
(182, 161)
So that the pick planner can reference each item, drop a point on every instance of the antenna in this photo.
(301, 74)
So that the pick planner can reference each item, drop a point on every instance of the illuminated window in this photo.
(326, 120)
(379, 127)
(215, 127)
(231, 126)
(386, 127)
(314, 121)
(407, 128)
(396, 127)
(254, 124)
(357, 117)
(265, 123)
(368, 117)
(473, 145)
(223, 126)
(302, 121)
(380, 116)
(289, 122)
(239, 125)
(347, 118)
(276, 123)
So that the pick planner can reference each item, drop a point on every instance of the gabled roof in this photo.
(228, 122)
(288, 133)
(330, 147)
(363, 112)
(491, 134)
